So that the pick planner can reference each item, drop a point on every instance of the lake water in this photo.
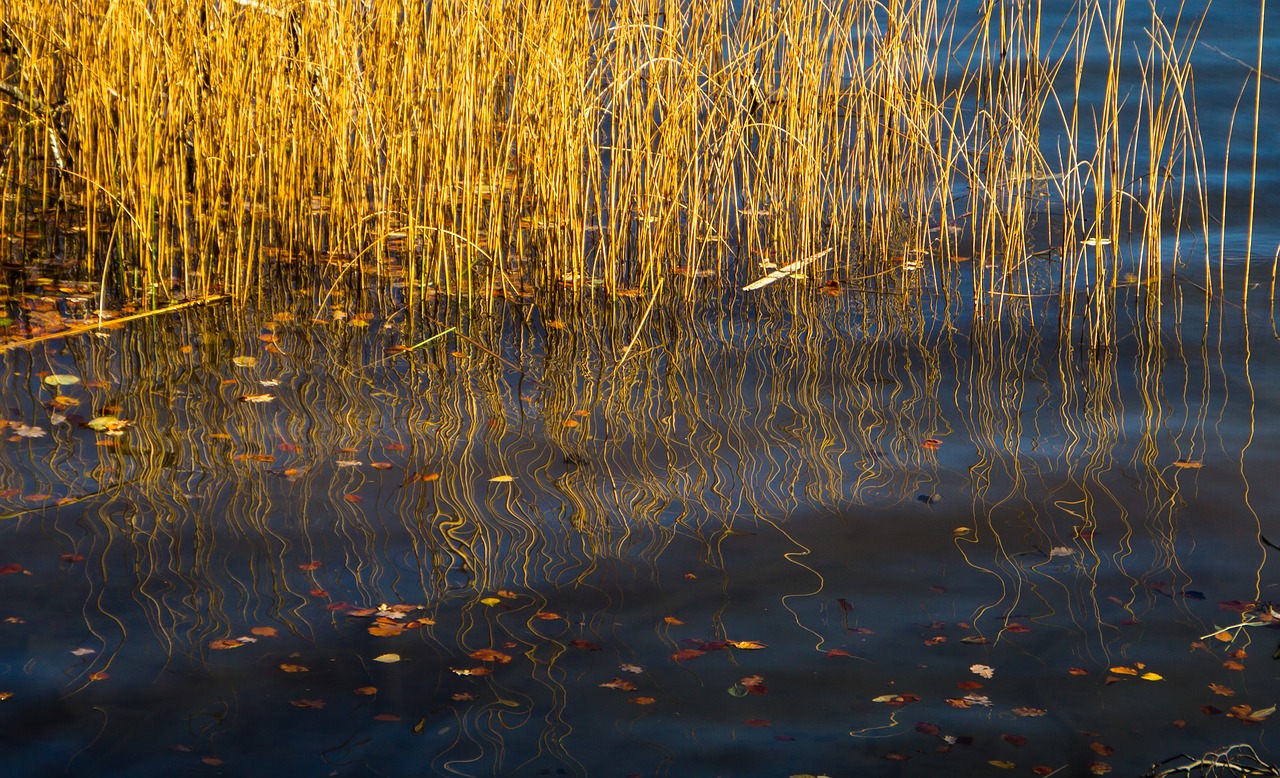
(841, 536)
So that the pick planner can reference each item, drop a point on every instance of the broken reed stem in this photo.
(111, 323)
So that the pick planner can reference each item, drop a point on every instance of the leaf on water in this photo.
(462, 697)
(502, 479)
(83, 651)
(1015, 740)
(304, 703)
(381, 465)
(348, 463)
(673, 621)
(968, 685)
(353, 498)
(110, 425)
(312, 565)
(547, 616)
(71, 558)
(489, 655)
(386, 717)
(490, 601)
(1061, 551)
(1123, 671)
(931, 443)
(1030, 712)
(266, 632)
(290, 668)
(367, 691)
(225, 644)
(1225, 691)
(620, 685)
(1077, 671)
(386, 630)
(1102, 749)
(476, 671)
(1002, 764)
(925, 728)
(387, 658)
(685, 654)
(61, 379)
(747, 645)
(975, 640)
(982, 670)
(642, 700)
(1188, 464)
(1014, 626)
(1151, 677)
(244, 361)
(838, 652)
(585, 645)
(631, 668)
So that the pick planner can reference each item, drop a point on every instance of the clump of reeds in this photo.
(503, 146)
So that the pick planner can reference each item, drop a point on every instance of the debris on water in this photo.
(930, 499)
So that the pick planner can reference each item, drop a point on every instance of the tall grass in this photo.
(522, 145)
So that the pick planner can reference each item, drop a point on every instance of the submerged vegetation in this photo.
(514, 148)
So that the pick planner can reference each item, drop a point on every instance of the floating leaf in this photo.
(925, 728)
(1102, 749)
(642, 700)
(685, 654)
(1151, 677)
(387, 658)
(838, 652)
(673, 621)
(312, 565)
(490, 601)
(317, 704)
(257, 398)
(1225, 691)
(982, 670)
(547, 616)
(61, 379)
(1030, 712)
(620, 685)
(1015, 740)
(1001, 764)
(585, 645)
(747, 645)
(83, 651)
(367, 691)
(266, 632)
(225, 644)
(489, 655)
(1188, 464)
(462, 697)
(502, 479)
(631, 668)
(289, 668)
(1124, 671)
(244, 361)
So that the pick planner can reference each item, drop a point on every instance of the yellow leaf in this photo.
(387, 658)
(747, 645)
(1124, 671)
(502, 479)
(1151, 677)
(490, 601)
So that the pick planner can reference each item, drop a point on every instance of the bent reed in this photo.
(481, 148)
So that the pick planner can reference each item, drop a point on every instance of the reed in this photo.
(504, 147)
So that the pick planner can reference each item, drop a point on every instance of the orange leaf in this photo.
(266, 632)
(385, 630)
(489, 655)
(288, 668)
(673, 621)
(620, 685)
(353, 498)
(225, 644)
(1102, 749)
(642, 700)
(367, 691)
(99, 676)
(685, 654)
(1225, 691)
(313, 565)
(1124, 671)
(545, 616)
(747, 645)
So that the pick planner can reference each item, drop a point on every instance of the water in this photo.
(195, 596)
(731, 482)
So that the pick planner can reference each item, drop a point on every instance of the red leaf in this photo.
(838, 652)
(585, 645)
(72, 557)
(10, 568)
(1014, 626)
(313, 565)
(685, 654)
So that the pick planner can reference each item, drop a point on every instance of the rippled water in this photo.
(805, 532)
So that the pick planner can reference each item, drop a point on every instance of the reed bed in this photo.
(512, 147)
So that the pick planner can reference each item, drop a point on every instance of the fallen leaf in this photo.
(99, 676)
(502, 479)
(225, 644)
(1151, 677)
(212, 761)
(367, 691)
(746, 645)
(673, 621)
(288, 668)
(1077, 671)
(387, 658)
(1225, 691)
(620, 685)
(1102, 749)
(642, 700)
(982, 670)
(838, 652)
(313, 565)
(631, 668)
(585, 645)
(1124, 671)
(489, 655)
(317, 704)
(968, 685)
(685, 654)
(1003, 765)
(83, 651)
(266, 632)
(1030, 712)
(925, 728)
(462, 697)
(1015, 740)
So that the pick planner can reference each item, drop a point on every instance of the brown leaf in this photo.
(225, 644)
(288, 668)
(304, 703)
(266, 632)
(367, 691)
(673, 621)
(642, 700)
(620, 685)
(1102, 749)
(685, 654)
(489, 655)
(1225, 691)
